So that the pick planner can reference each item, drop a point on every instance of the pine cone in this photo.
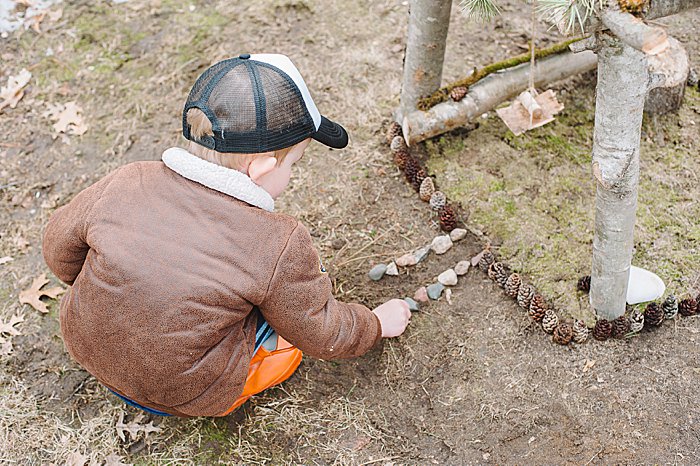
(437, 200)
(392, 131)
(620, 327)
(458, 93)
(563, 334)
(499, 273)
(670, 307)
(632, 6)
(412, 170)
(486, 260)
(448, 218)
(513, 285)
(398, 144)
(401, 159)
(584, 284)
(636, 321)
(427, 188)
(653, 315)
(688, 307)
(538, 307)
(418, 178)
(602, 330)
(525, 295)
(550, 321)
(580, 332)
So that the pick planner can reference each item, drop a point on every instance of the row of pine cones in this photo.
(653, 315)
(534, 303)
(418, 177)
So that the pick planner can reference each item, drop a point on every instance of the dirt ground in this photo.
(471, 382)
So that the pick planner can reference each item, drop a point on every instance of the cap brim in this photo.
(331, 134)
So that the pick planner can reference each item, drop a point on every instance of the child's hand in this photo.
(394, 316)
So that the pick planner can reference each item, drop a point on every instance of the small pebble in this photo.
(458, 234)
(441, 244)
(377, 272)
(448, 277)
(421, 254)
(392, 270)
(448, 296)
(412, 305)
(421, 295)
(435, 290)
(406, 260)
(462, 268)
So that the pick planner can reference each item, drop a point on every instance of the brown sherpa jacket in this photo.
(166, 261)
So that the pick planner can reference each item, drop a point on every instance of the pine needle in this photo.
(481, 10)
(568, 13)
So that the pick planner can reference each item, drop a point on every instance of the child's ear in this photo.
(261, 166)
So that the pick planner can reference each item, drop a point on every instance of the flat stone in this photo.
(412, 305)
(377, 272)
(441, 244)
(392, 270)
(421, 254)
(407, 260)
(458, 234)
(462, 268)
(435, 290)
(448, 296)
(421, 295)
(448, 277)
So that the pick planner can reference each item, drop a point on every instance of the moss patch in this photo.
(534, 196)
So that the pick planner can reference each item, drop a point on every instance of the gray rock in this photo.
(462, 268)
(406, 260)
(435, 290)
(412, 305)
(377, 272)
(441, 244)
(458, 234)
(421, 254)
(392, 269)
(448, 277)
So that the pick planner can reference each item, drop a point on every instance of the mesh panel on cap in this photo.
(233, 103)
(283, 104)
(205, 79)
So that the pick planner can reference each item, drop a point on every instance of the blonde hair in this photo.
(200, 126)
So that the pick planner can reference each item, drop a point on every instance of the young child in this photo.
(189, 294)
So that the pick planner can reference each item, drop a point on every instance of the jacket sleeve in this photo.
(64, 245)
(300, 306)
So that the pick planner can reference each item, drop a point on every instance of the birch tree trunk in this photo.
(428, 23)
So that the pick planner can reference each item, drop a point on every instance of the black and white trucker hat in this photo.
(258, 103)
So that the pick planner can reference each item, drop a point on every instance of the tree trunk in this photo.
(487, 93)
(425, 51)
(623, 79)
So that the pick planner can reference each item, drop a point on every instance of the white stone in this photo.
(392, 270)
(441, 244)
(458, 234)
(448, 277)
(462, 268)
(448, 296)
(644, 286)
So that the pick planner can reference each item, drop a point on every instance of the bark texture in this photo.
(425, 51)
(491, 91)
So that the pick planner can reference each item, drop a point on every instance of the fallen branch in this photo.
(443, 94)
(490, 92)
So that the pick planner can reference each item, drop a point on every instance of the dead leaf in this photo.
(115, 460)
(76, 459)
(14, 91)
(588, 365)
(477, 258)
(67, 119)
(9, 326)
(33, 294)
(134, 428)
(5, 260)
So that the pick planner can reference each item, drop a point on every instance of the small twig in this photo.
(595, 456)
(388, 458)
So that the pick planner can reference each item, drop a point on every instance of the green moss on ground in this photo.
(534, 196)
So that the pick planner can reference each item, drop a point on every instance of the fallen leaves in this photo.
(33, 294)
(7, 331)
(68, 119)
(78, 459)
(11, 94)
(134, 428)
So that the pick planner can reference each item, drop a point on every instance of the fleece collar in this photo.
(222, 179)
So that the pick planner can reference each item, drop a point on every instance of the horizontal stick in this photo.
(490, 92)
